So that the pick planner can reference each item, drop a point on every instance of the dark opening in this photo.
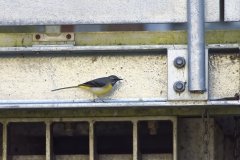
(26, 138)
(114, 137)
(155, 137)
(70, 138)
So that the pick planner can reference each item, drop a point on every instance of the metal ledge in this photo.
(116, 104)
(54, 48)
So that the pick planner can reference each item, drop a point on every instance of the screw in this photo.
(179, 86)
(179, 62)
(37, 36)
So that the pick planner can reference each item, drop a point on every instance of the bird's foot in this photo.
(95, 101)
(102, 100)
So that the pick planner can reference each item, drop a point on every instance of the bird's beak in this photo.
(119, 79)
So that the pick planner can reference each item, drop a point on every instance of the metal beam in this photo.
(118, 104)
(114, 112)
(19, 91)
(126, 38)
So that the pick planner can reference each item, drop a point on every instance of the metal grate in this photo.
(93, 138)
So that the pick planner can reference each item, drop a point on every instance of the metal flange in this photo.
(178, 77)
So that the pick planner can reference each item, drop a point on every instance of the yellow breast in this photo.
(98, 90)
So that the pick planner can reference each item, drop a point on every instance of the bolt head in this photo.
(179, 62)
(179, 86)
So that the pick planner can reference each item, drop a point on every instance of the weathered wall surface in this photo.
(144, 76)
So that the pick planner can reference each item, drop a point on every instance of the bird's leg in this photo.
(101, 99)
(94, 98)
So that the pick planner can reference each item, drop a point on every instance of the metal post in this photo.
(175, 137)
(4, 143)
(196, 46)
(136, 153)
(92, 142)
(48, 140)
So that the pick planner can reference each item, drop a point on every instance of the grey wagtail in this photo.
(99, 86)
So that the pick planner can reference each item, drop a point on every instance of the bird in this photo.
(99, 86)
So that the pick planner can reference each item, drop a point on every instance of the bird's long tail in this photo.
(64, 88)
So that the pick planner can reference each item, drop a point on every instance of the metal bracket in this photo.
(55, 39)
(179, 76)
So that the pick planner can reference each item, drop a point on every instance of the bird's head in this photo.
(113, 79)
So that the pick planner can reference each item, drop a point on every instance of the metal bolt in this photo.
(37, 36)
(68, 36)
(179, 62)
(179, 86)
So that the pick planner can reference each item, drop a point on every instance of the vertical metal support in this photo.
(136, 153)
(48, 140)
(92, 142)
(4, 143)
(196, 46)
(175, 136)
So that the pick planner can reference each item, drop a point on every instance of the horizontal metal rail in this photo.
(105, 48)
(114, 104)
(83, 48)
(223, 37)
